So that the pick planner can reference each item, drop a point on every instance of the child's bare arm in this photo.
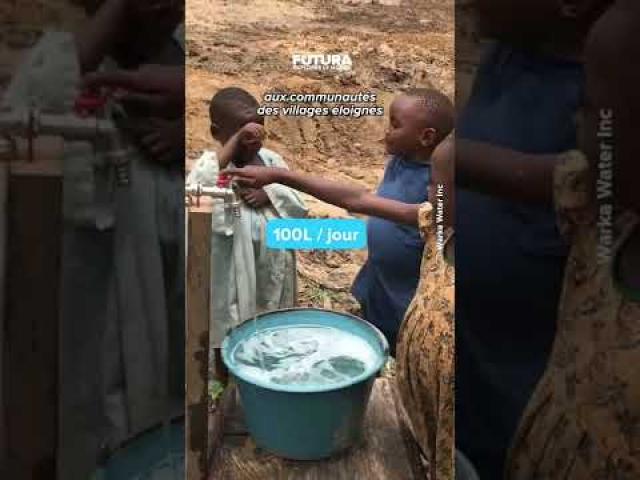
(158, 89)
(503, 172)
(228, 151)
(97, 36)
(374, 206)
(354, 199)
(246, 141)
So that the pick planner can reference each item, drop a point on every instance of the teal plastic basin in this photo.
(306, 422)
(156, 454)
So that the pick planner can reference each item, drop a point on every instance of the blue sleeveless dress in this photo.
(387, 282)
(510, 258)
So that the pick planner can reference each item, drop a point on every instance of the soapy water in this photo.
(303, 355)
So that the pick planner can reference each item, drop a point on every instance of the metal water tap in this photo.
(228, 194)
(29, 123)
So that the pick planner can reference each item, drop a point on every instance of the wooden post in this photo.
(31, 319)
(197, 348)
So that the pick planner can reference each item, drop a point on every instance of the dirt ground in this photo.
(394, 44)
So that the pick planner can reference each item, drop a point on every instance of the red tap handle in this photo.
(224, 180)
(89, 103)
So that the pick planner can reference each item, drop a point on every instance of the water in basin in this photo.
(304, 355)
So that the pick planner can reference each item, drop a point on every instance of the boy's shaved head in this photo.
(233, 107)
(419, 119)
(439, 112)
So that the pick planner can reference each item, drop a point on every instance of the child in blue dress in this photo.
(419, 120)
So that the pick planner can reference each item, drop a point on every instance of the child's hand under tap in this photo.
(255, 197)
(163, 140)
(157, 89)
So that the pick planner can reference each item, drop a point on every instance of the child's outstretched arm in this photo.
(158, 88)
(354, 199)
(503, 172)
